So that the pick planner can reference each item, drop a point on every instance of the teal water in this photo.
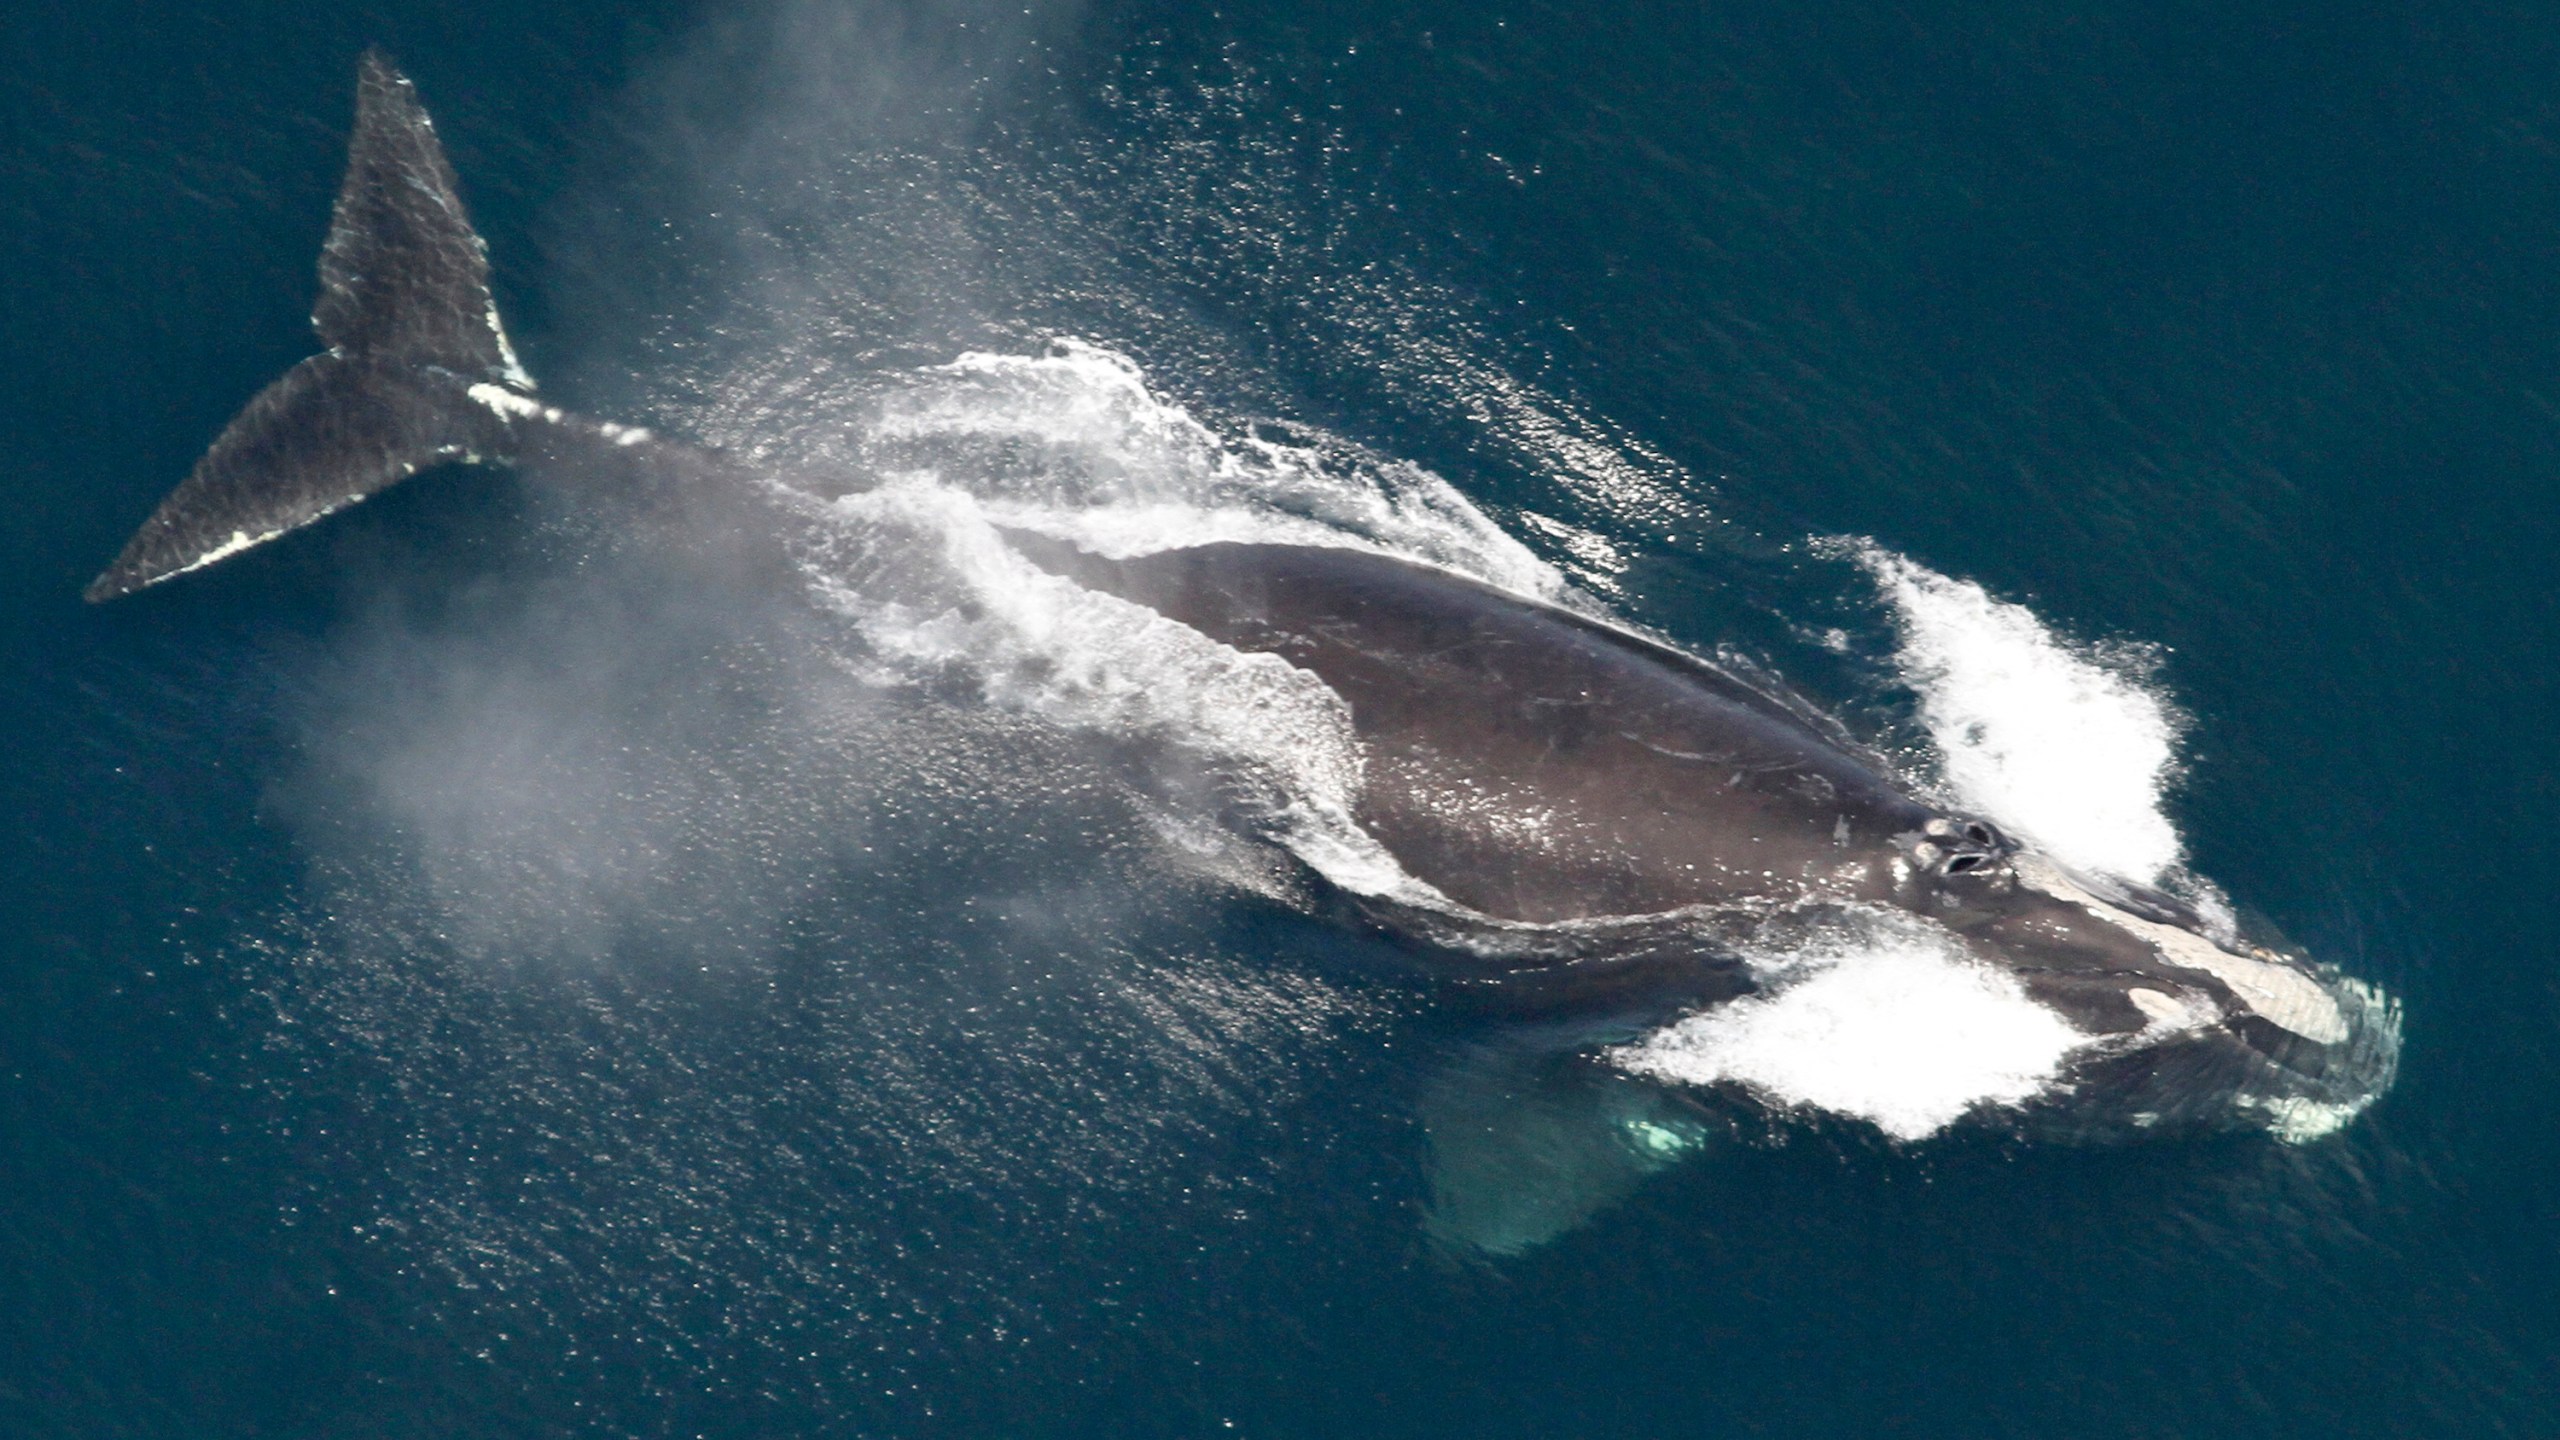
(466, 978)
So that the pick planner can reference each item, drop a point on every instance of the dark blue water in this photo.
(464, 978)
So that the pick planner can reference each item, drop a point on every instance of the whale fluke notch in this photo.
(406, 313)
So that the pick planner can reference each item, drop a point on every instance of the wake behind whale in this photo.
(1643, 863)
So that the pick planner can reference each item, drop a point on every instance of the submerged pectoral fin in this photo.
(1525, 1146)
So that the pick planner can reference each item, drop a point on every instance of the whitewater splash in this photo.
(1886, 1019)
(2068, 747)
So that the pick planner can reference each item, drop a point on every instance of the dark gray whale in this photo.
(1607, 826)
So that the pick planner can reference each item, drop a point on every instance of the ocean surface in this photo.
(476, 968)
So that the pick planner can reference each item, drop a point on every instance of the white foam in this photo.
(2071, 752)
(2299, 1120)
(1893, 1024)
(1083, 449)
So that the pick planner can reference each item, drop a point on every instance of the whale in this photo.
(1604, 834)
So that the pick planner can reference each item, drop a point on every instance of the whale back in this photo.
(1531, 763)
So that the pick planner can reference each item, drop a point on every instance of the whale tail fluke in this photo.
(406, 313)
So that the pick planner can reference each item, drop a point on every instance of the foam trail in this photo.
(2072, 753)
(1074, 442)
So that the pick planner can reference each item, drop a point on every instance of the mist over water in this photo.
(708, 1003)
(605, 987)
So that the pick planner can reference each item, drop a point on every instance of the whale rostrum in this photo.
(1609, 825)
